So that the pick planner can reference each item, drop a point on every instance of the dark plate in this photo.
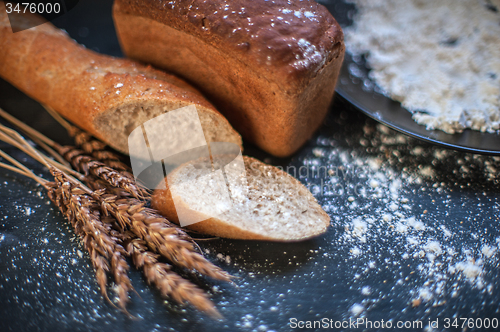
(355, 86)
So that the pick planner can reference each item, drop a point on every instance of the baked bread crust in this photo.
(269, 67)
(95, 91)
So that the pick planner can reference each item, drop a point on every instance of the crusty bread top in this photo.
(294, 38)
(265, 202)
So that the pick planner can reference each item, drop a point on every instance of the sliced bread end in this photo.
(269, 205)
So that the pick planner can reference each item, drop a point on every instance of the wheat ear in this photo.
(99, 262)
(85, 209)
(157, 232)
(87, 165)
(169, 283)
(80, 209)
(160, 235)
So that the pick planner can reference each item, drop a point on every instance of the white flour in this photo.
(440, 59)
(445, 260)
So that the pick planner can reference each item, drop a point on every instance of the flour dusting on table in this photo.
(440, 59)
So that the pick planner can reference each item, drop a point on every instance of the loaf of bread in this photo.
(269, 66)
(268, 204)
(106, 96)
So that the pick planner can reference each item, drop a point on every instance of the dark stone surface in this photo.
(47, 283)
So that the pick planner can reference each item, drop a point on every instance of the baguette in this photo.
(269, 205)
(107, 96)
(269, 66)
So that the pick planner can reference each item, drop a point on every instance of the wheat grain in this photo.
(97, 150)
(81, 208)
(87, 165)
(93, 215)
(99, 262)
(161, 235)
(167, 282)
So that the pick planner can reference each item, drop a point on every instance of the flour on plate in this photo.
(440, 59)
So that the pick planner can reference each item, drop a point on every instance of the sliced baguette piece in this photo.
(107, 96)
(274, 206)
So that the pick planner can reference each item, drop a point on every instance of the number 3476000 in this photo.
(34, 8)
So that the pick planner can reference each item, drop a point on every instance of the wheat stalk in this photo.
(40, 139)
(13, 138)
(169, 283)
(159, 274)
(97, 149)
(160, 234)
(89, 212)
(84, 209)
(99, 262)
(80, 210)
(91, 146)
(81, 162)
(87, 165)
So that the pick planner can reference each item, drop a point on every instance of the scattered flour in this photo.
(440, 59)
(366, 290)
(357, 309)
(488, 251)
(435, 259)
(470, 268)
(359, 227)
(434, 247)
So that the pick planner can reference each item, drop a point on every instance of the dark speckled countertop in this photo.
(414, 236)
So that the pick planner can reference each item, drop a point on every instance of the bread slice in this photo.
(269, 66)
(107, 96)
(266, 203)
